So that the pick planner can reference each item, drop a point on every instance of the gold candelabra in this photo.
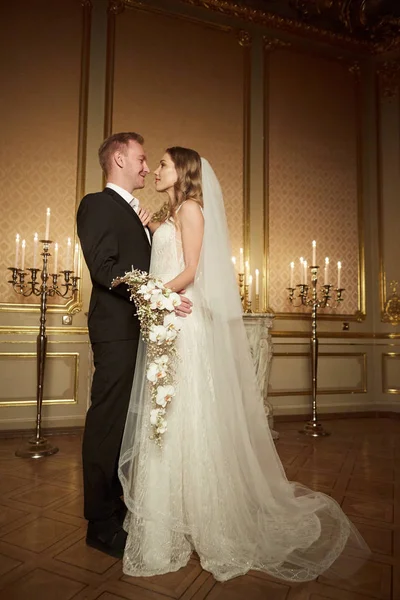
(38, 446)
(311, 297)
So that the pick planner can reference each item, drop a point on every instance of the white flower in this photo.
(157, 334)
(175, 299)
(155, 372)
(162, 428)
(155, 415)
(172, 322)
(157, 301)
(165, 394)
(147, 290)
(161, 360)
(171, 335)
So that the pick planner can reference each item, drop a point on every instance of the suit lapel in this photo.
(125, 206)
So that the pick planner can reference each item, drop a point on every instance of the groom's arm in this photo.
(99, 243)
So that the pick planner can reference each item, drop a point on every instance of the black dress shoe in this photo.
(108, 537)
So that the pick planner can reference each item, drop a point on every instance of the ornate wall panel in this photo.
(43, 105)
(338, 373)
(180, 82)
(391, 373)
(313, 173)
(61, 380)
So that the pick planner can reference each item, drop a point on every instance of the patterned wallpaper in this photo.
(181, 83)
(40, 109)
(312, 172)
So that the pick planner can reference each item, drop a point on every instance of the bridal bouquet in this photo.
(155, 306)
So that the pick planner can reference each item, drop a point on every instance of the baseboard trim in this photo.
(365, 414)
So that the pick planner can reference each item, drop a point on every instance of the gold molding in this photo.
(34, 330)
(273, 43)
(245, 41)
(321, 391)
(268, 19)
(72, 306)
(336, 334)
(385, 388)
(49, 355)
(353, 68)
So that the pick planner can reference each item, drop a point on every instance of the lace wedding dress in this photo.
(217, 486)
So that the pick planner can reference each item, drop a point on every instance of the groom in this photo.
(113, 240)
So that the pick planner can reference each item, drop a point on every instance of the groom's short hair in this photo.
(114, 143)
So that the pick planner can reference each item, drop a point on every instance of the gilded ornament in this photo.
(391, 312)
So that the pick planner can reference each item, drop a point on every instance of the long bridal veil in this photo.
(219, 483)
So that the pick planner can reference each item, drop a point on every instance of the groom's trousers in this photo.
(111, 388)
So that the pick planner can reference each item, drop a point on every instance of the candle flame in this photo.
(48, 212)
(17, 238)
(69, 241)
(23, 243)
(327, 260)
(35, 237)
(292, 265)
(314, 244)
(234, 260)
(257, 272)
(339, 265)
(56, 247)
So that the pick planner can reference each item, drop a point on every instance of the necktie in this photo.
(134, 203)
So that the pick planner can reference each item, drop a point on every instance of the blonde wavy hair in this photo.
(188, 185)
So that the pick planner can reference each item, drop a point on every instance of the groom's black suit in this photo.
(113, 240)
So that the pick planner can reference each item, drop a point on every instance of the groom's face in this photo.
(135, 165)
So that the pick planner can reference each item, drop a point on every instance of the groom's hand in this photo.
(185, 307)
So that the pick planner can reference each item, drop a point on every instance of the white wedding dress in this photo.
(217, 486)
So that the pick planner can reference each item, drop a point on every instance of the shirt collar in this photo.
(124, 193)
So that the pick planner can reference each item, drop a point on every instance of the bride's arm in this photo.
(192, 229)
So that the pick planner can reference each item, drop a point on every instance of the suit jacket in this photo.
(113, 241)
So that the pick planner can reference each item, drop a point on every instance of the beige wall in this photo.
(304, 140)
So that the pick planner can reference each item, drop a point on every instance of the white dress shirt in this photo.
(131, 200)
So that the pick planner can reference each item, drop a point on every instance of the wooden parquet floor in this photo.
(42, 532)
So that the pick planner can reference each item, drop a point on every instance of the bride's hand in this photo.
(185, 308)
(144, 215)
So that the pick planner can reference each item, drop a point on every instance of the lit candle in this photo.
(247, 271)
(76, 255)
(234, 262)
(68, 257)
(326, 271)
(23, 255)
(46, 236)
(35, 248)
(241, 267)
(301, 269)
(291, 275)
(314, 253)
(257, 282)
(339, 271)
(55, 266)
(305, 272)
(17, 238)
(250, 287)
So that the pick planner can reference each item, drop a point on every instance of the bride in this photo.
(217, 486)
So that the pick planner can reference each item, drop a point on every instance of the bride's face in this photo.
(166, 175)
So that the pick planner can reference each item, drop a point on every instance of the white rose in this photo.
(157, 334)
